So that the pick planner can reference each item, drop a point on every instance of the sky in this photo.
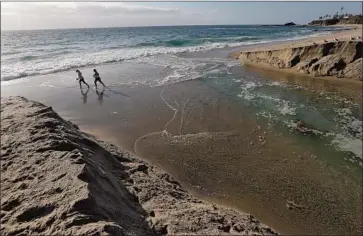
(55, 15)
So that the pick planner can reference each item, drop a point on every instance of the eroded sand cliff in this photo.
(342, 59)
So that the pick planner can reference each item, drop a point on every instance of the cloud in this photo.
(55, 15)
(80, 8)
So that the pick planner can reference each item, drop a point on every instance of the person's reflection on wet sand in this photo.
(84, 95)
(100, 95)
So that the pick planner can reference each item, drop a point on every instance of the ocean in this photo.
(36, 52)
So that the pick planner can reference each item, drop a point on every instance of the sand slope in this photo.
(56, 179)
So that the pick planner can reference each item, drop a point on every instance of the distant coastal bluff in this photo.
(337, 20)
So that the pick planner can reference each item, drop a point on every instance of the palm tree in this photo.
(320, 17)
(341, 10)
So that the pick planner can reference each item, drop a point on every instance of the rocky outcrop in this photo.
(290, 24)
(341, 59)
(57, 180)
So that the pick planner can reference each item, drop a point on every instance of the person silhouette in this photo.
(81, 79)
(84, 95)
(97, 77)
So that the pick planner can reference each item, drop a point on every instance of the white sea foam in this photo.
(179, 69)
(348, 122)
(344, 143)
(275, 83)
(247, 90)
(268, 115)
(286, 108)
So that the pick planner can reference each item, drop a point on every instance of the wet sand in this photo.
(221, 152)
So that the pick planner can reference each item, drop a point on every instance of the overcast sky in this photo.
(43, 15)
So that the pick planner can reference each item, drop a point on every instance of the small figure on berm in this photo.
(97, 77)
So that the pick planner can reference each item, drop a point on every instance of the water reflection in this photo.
(100, 95)
(84, 94)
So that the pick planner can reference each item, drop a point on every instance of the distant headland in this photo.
(338, 19)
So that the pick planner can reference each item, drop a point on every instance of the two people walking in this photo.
(96, 75)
